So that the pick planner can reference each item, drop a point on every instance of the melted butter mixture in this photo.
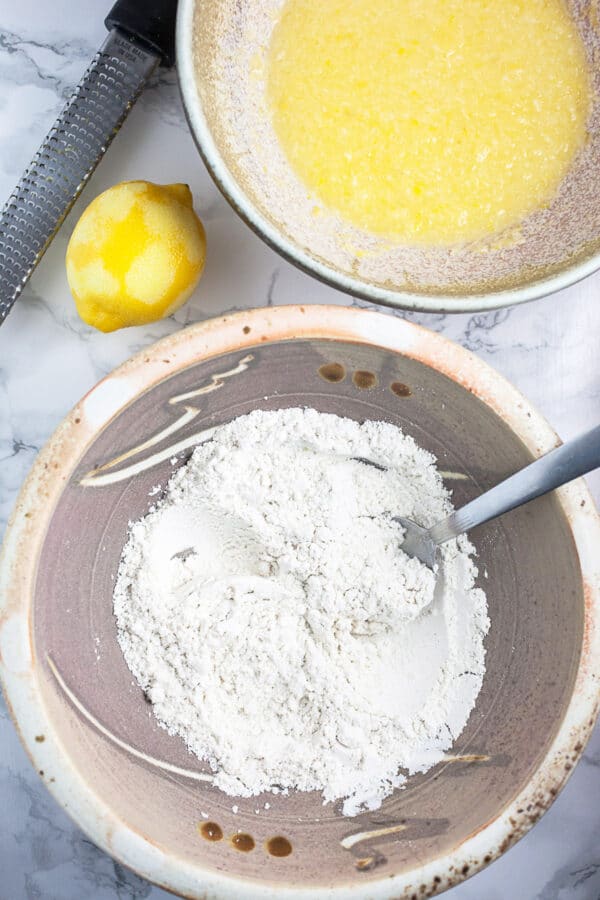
(431, 121)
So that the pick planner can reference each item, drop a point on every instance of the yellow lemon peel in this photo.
(135, 255)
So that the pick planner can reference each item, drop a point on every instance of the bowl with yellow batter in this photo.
(432, 156)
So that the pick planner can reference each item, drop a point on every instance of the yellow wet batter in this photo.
(433, 121)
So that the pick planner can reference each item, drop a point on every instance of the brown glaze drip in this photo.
(368, 863)
(243, 842)
(364, 380)
(278, 846)
(333, 372)
(363, 865)
(210, 831)
(246, 329)
(400, 389)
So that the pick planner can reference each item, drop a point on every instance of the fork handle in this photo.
(550, 471)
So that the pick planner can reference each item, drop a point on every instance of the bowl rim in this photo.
(568, 275)
(20, 672)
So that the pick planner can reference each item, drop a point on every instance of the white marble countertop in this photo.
(49, 358)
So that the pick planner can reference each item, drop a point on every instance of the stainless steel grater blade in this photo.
(68, 156)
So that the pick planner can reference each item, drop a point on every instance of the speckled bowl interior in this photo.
(89, 727)
(222, 51)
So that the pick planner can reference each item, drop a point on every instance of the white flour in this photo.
(266, 610)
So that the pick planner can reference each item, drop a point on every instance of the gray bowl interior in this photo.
(533, 586)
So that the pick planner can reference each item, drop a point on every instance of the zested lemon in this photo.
(136, 254)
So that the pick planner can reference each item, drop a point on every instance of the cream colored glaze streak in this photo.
(159, 763)
(99, 477)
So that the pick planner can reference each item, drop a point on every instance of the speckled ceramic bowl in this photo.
(135, 790)
(221, 47)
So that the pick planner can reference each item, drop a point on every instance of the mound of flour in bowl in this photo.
(267, 611)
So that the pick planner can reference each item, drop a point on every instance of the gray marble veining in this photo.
(49, 358)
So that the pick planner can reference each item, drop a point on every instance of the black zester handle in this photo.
(68, 156)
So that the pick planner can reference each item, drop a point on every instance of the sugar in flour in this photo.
(266, 610)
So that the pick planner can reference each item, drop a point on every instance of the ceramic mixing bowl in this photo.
(221, 48)
(135, 790)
